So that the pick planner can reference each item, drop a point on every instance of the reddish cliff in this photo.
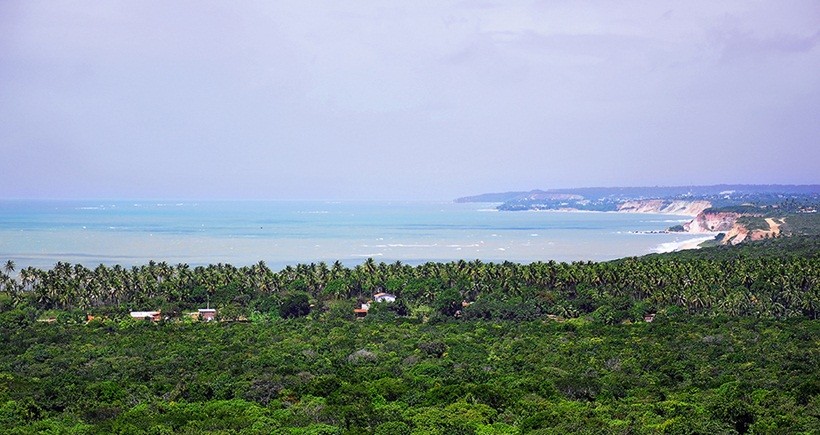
(734, 232)
(711, 222)
(740, 233)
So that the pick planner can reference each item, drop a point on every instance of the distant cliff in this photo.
(736, 213)
(680, 207)
(722, 204)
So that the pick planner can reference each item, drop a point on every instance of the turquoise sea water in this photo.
(41, 233)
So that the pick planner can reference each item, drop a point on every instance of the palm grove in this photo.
(468, 347)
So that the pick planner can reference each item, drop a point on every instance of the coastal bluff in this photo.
(732, 213)
(736, 227)
(677, 207)
(711, 221)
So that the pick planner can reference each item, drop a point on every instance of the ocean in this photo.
(41, 233)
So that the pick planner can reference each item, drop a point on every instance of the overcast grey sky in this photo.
(402, 100)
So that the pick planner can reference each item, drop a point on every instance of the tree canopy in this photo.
(722, 340)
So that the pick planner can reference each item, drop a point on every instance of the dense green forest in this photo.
(468, 347)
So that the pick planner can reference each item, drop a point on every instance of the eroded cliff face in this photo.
(687, 208)
(711, 222)
(739, 233)
(733, 231)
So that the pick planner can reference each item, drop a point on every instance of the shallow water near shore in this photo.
(41, 233)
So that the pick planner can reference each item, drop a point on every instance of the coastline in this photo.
(693, 243)
(287, 233)
(690, 243)
(575, 210)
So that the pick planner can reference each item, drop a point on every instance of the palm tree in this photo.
(9, 267)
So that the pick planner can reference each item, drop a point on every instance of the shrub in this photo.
(433, 348)
(295, 305)
(393, 428)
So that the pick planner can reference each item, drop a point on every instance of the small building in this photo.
(649, 318)
(361, 312)
(153, 316)
(384, 297)
(207, 314)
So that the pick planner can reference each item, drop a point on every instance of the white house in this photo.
(384, 297)
(154, 316)
(207, 314)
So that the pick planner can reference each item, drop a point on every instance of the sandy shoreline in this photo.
(678, 245)
(684, 244)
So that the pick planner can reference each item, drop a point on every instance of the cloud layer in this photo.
(424, 100)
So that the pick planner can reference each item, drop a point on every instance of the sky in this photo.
(402, 100)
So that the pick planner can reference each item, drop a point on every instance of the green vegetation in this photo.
(775, 279)
(752, 223)
(739, 209)
(539, 348)
(676, 375)
(784, 248)
(802, 224)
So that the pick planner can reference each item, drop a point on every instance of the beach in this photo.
(692, 243)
